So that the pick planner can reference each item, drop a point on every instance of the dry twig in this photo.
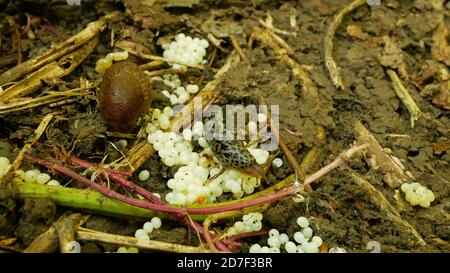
(84, 234)
(53, 70)
(404, 96)
(331, 65)
(58, 50)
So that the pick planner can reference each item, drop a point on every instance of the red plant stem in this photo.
(119, 172)
(104, 190)
(257, 201)
(141, 191)
(340, 160)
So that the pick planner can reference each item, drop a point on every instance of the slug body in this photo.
(125, 94)
(233, 154)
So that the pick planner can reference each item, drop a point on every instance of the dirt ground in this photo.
(344, 213)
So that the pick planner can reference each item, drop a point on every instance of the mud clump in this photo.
(36, 216)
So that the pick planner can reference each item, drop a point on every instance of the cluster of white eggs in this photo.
(105, 63)
(172, 148)
(160, 120)
(143, 233)
(306, 242)
(251, 222)
(237, 183)
(188, 186)
(185, 50)
(180, 94)
(30, 176)
(35, 176)
(417, 194)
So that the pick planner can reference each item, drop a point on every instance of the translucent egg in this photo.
(42, 178)
(299, 237)
(302, 222)
(283, 238)
(192, 88)
(274, 233)
(122, 250)
(140, 234)
(265, 249)
(256, 248)
(274, 242)
(310, 247)
(30, 176)
(290, 247)
(148, 227)
(277, 162)
(53, 183)
(317, 241)
(144, 175)
(308, 232)
(4, 162)
(156, 222)
(187, 134)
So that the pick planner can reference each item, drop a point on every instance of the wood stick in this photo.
(331, 65)
(53, 70)
(404, 96)
(84, 234)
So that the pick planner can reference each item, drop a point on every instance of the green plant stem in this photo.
(85, 199)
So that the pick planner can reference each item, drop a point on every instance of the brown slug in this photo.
(125, 94)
